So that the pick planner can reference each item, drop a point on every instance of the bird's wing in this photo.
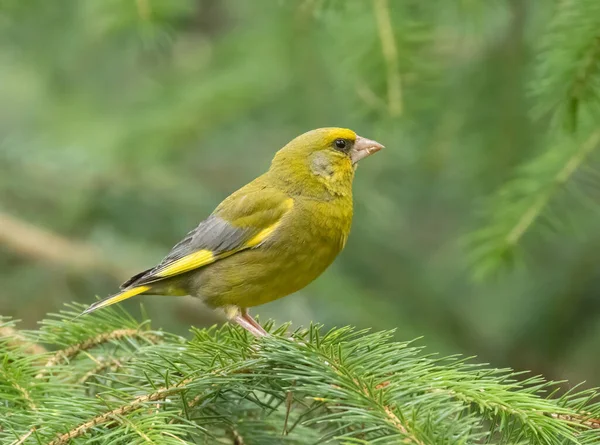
(243, 221)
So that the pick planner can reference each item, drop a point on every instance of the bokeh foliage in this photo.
(125, 122)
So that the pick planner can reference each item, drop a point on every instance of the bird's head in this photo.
(325, 156)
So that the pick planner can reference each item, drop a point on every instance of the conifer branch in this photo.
(231, 387)
(589, 68)
(565, 88)
(518, 205)
(375, 398)
(15, 338)
(534, 211)
(568, 71)
(108, 364)
(22, 439)
(582, 420)
(72, 351)
(22, 390)
(122, 410)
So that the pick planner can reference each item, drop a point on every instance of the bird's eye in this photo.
(340, 144)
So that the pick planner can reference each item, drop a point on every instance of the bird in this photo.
(270, 238)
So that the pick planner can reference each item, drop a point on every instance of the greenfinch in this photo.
(270, 238)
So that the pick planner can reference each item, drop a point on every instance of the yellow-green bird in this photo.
(270, 238)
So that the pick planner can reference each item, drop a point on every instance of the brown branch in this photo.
(135, 428)
(237, 438)
(22, 390)
(590, 423)
(25, 394)
(122, 410)
(235, 435)
(16, 339)
(73, 350)
(136, 403)
(40, 244)
(111, 365)
(392, 418)
(23, 438)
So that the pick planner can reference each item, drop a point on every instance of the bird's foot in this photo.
(246, 316)
(249, 327)
(244, 319)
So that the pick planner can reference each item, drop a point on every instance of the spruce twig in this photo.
(22, 439)
(561, 178)
(15, 338)
(72, 351)
(122, 410)
(582, 420)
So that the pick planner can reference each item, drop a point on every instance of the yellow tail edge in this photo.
(116, 298)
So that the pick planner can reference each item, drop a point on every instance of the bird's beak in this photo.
(362, 148)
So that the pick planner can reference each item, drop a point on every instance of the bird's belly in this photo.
(264, 274)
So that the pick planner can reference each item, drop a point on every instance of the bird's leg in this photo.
(246, 316)
(241, 317)
(248, 326)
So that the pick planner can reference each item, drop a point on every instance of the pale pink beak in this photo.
(364, 147)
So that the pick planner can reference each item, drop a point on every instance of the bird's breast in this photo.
(322, 225)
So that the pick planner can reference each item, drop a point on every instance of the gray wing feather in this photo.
(213, 234)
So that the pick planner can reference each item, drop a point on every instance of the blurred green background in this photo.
(124, 123)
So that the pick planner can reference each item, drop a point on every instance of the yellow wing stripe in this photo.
(265, 233)
(261, 236)
(117, 298)
(205, 257)
(187, 263)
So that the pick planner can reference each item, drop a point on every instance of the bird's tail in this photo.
(124, 295)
